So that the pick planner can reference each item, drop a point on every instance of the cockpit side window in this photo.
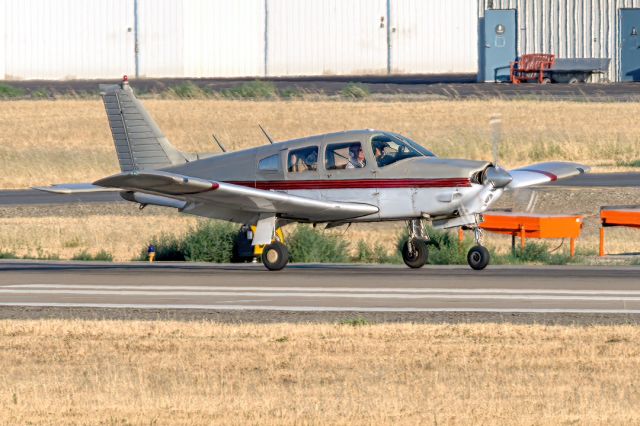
(270, 163)
(348, 155)
(303, 160)
(388, 149)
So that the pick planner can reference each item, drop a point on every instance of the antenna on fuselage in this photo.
(220, 144)
(265, 133)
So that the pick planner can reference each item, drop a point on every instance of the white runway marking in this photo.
(244, 290)
(315, 308)
(369, 293)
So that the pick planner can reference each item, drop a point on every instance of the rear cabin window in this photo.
(303, 160)
(345, 156)
(270, 163)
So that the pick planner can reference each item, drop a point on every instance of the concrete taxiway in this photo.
(27, 289)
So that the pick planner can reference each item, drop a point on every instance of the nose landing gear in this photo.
(478, 257)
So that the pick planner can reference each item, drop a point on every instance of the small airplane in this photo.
(333, 179)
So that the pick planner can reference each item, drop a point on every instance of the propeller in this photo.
(495, 175)
(499, 177)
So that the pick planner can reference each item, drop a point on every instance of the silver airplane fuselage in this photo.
(422, 186)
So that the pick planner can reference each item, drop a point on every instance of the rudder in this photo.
(139, 142)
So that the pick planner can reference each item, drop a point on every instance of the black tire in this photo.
(478, 257)
(419, 255)
(275, 256)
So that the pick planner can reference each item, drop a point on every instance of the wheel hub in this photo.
(272, 256)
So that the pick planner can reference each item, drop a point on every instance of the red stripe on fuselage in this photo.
(355, 183)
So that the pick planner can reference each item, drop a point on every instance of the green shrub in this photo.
(290, 92)
(533, 253)
(355, 322)
(308, 245)
(186, 90)
(210, 241)
(355, 91)
(7, 91)
(7, 255)
(168, 248)
(377, 254)
(252, 89)
(100, 256)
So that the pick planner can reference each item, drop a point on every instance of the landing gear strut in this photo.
(415, 252)
(478, 256)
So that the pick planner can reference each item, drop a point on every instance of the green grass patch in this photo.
(7, 255)
(252, 90)
(355, 91)
(632, 163)
(533, 252)
(102, 256)
(355, 322)
(185, 90)
(7, 91)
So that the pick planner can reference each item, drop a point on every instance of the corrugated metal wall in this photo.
(432, 36)
(47, 39)
(224, 38)
(567, 28)
(60, 39)
(329, 37)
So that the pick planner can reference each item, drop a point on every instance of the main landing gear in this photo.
(415, 251)
(478, 257)
(275, 256)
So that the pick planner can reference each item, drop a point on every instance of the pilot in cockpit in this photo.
(357, 159)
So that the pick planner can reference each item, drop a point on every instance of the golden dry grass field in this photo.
(43, 142)
(63, 372)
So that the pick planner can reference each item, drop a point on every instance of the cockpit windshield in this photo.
(390, 147)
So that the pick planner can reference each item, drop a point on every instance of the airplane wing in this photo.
(74, 188)
(539, 173)
(212, 194)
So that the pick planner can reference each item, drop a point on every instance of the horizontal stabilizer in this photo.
(540, 173)
(74, 188)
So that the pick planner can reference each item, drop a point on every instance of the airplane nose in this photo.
(498, 177)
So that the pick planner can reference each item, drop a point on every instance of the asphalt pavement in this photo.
(314, 292)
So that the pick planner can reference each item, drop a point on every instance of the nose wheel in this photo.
(275, 256)
(478, 256)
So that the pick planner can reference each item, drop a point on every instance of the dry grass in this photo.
(64, 141)
(123, 235)
(93, 372)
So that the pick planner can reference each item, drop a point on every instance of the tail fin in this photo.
(140, 144)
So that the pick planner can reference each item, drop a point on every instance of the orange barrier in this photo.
(525, 226)
(628, 216)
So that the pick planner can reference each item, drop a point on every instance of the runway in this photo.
(317, 289)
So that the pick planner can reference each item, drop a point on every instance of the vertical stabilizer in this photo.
(140, 144)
